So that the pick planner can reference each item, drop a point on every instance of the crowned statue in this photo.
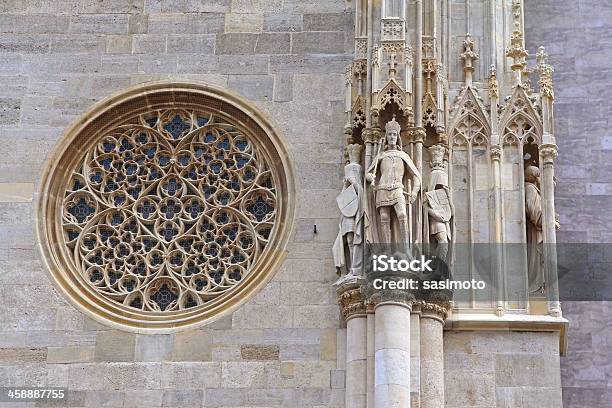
(393, 186)
(348, 247)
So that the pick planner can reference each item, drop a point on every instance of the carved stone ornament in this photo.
(157, 212)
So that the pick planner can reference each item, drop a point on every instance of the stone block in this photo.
(34, 23)
(182, 6)
(78, 43)
(119, 64)
(278, 22)
(153, 347)
(523, 370)
(290, 352)
(112, 6)
(26, 43)
(226, 353)
(224, 397)
(148, 44)
(228, 64)
(262, 316)
(192, 345)
(321, 42)
(301, 270)
(283, 87)
(115, 345)
(255, 6)
(10, 111)
(249, 374)
(196, 44)
(322, 317)
(186, 23)
(273, 43)
(328, 21)
(328, 87)
(157, 64)
(338, 379)
(143, 398)
(466, 389)
(183, 398)
(64, 64)
(320, 6)
(328, 344)
(95, 398)
(254, 87)
(138, 23)
(236, 43)
(191, 376)
(99, 23)
(259, 352)
(307, 293)
(308, 64)
(10, 356)
(70, 354)
(11, 64)
(243, 23)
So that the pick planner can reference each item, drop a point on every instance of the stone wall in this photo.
(281, 348)
(577, 37)
(502, 369)
(59, 57)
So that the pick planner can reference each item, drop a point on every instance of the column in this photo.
(392, 348)
(370, 354)
(353, 310)
(432, 354)
(548, 153)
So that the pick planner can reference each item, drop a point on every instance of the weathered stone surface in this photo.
(254, 87)
(259, 352)
(99, 23)
(194, 345)
(114, 345)
(243, 22)
(70, 354)
(323, 42)
(153, 347)
(10, 110)
(22, 355)
(189, 23)
(190, 376)
(282, 22)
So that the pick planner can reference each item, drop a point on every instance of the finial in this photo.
(545, 70)
(468, 56)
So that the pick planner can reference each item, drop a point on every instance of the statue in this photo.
(439, 209)
(348, 247)
(533, 209)
(395, 184)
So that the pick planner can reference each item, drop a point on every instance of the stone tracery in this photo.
(169, 210)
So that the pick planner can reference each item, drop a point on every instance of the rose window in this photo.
(166, 212)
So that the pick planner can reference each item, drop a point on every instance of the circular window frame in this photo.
(87, 129)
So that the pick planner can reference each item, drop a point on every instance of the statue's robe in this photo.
(354, 224)
(533, 209)
(372, 219)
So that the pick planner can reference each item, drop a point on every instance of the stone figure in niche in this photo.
(393, 188)
(533, 209)
(348, 247)
(439, 209)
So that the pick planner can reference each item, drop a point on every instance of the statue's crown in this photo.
(393, 125)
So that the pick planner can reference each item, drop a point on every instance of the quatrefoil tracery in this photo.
(169, 211)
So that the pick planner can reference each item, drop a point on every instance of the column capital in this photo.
(496, 152)
(417, 134)
(549, 153)
(350, 297)
(372, 135)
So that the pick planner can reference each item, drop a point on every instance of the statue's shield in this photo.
(348, 201)
(439, 203)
